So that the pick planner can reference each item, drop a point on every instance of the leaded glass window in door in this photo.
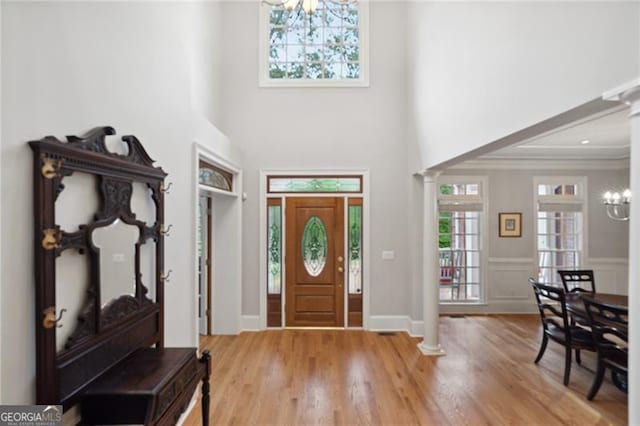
(314, 246)
(354, 255)
(274, 249)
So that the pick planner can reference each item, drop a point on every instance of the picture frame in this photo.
(510, 225)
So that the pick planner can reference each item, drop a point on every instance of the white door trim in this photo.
(233, 303)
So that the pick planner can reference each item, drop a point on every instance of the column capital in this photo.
(430, 176)
(629, 93)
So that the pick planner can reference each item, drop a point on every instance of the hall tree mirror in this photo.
(99, 280)
(116, 246)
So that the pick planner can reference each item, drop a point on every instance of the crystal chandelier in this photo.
(617, 205)
(307, 6)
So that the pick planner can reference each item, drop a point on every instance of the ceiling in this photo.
(608, 135)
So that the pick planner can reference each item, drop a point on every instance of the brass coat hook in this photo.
(165, 232)
(166, 189)
(165, 278)
(50, 167)
(51, 238)
(49, 317)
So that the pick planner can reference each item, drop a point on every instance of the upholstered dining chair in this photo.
(578, 280)
(609, 325)
(556, 325)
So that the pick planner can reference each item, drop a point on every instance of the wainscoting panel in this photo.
(508, 279)
(611, 274)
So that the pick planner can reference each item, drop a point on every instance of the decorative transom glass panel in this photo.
(314, 246)
(460, 189)
(283, 184)
(557, 189)
(355, 249)
(323, 45)
(274, 249)
(215, 177)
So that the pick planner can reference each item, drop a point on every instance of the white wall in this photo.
(144, 68)
(480, 71)
(340, 128)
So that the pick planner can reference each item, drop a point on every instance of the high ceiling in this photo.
(608, 138)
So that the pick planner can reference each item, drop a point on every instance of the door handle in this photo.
(340, 269)
(340, 258)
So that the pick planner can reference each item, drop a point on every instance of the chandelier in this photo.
(617, 205)
(307, 6)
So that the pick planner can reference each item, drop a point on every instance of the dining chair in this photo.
(578, 280)
(556, 325)
(610, 329)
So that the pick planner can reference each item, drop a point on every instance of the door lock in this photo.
(340, 258)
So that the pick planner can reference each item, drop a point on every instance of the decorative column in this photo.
(630, 94)
(430, 344)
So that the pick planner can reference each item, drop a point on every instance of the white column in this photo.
(630, 94)
(430, 344)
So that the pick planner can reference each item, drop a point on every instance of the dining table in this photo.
(575, 302)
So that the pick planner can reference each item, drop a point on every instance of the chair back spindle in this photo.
(578, 280)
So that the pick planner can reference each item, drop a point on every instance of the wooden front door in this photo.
(314, 262)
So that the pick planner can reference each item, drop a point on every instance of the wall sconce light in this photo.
(617, 205)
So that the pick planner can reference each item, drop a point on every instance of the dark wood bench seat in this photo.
(151, 387)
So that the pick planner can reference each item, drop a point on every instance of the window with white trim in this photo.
(559, 225)
(327, 47)
(460, 207)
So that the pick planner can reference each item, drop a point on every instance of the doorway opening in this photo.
(205, 262)
(217, 231)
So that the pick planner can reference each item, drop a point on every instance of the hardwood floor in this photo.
(488, 376)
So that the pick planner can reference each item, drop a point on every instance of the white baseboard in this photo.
(389, 323)
(497, 307)
(250, 323)
(416, 328)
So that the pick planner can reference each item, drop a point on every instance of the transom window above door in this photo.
(215, 177)
(314, 184)
(314, 43)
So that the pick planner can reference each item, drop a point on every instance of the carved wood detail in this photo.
(107, 335)
(54, 160)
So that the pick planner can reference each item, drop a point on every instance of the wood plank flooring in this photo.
(295, 377)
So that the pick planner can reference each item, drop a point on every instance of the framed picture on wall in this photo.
(510, 224)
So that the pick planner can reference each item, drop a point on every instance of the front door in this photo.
(314, 262)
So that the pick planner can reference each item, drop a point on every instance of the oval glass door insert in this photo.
(314, 246)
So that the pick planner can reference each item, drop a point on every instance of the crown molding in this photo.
(519, 164)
